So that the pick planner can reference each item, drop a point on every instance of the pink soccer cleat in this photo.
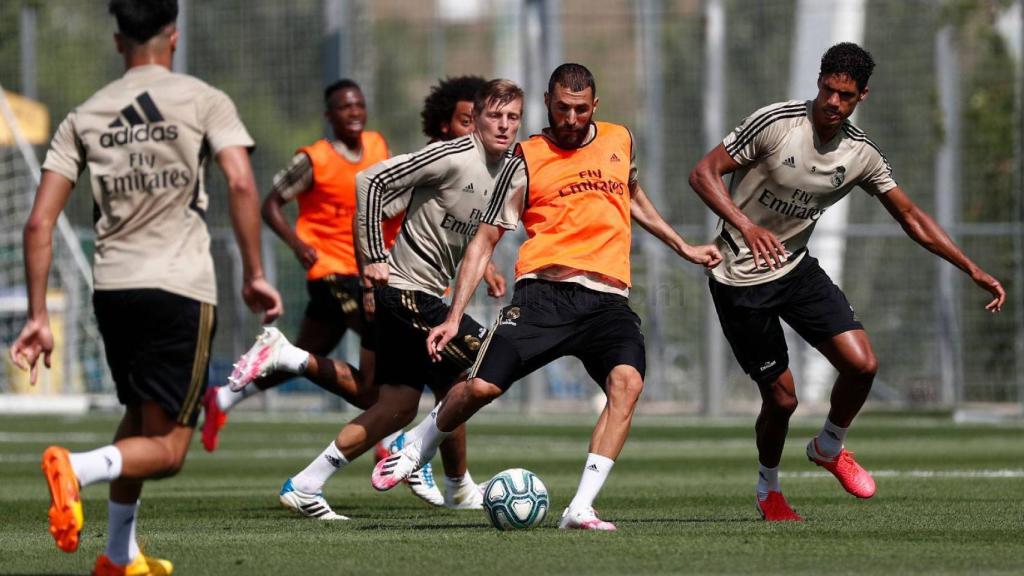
(774, 508)
(213, 420)
(259, 361)
(851, 475)
(584, 519)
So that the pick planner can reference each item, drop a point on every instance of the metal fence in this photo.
(945, 106)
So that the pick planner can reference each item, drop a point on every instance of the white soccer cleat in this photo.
(259, 361)
(585, 519)
(466, 495)
(422, 484)
(308, 505)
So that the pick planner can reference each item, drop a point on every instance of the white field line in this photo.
(918, 474)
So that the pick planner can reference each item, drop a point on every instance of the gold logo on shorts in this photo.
(472, 342)
(512, 313)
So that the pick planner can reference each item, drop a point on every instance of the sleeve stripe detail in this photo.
(501, 186)
(760, 124)
(378, 194)
(857, 135)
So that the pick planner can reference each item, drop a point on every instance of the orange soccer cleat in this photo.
(140, 566)
(66, 516)
(213, 419)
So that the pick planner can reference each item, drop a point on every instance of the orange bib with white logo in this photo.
(326, 209)
(577, 205)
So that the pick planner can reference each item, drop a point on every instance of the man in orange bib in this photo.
(575, 189)
(321, 177)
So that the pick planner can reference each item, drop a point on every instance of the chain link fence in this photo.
(945, 107)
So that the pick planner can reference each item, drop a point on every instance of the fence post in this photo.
(714, 129)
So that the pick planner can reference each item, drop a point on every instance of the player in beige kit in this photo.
(790, 162)
(146, 139)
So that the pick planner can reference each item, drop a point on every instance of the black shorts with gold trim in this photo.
(338, 301)
(403, 319)
(158, 348)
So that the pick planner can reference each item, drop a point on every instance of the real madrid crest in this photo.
(838, 176)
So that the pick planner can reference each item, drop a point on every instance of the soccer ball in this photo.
(515, 499)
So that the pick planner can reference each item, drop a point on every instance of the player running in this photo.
(575, 189)
(454, 182)
(790, 161)
(321, 177)
(146, 139)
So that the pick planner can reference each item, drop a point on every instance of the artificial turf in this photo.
(950, 500)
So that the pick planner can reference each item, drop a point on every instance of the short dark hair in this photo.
(849, 59)
(575, 77)
(499, 91)
(343, 84)
(140, 20)
(439, 105)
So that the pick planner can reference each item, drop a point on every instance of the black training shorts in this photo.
(403, 319)
(806, 298)
(548, 320)
(158, 348)
(338, 301)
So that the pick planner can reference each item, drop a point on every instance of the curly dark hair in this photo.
(439, 105)
(850, 59)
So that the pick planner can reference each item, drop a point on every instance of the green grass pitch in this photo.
(950, 500)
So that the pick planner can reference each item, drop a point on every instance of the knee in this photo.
(173, 462)
(862, 366)
(481, 391)
(624, 385)
(782, 402)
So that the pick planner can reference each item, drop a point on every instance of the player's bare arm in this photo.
(494, 280)
(35, 339)
(706, 181)
(244, 200)
(273, 215)
(644, 213)
(474, 263)
(924, 230)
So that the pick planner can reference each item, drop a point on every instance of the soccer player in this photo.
(454, 182)
(575, 189)
(146, 139)
(789, 162)
(321, 177)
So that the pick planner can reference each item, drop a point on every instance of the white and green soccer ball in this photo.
(515, 499)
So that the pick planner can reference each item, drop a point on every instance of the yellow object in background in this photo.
(33, 120)
(52, 380)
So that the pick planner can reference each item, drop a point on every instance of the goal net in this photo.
(78, 367)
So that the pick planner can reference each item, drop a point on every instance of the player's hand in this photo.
(494, 280)
(439, 337)
(369, 304)
(982, 279)
(707, 255)
(376, 273)
(306, 255)
(260, 296)
(765, 247)
(34, 341)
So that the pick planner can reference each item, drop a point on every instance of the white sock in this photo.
(767, 481)
(291, 359)
(458, 481)
(314, 476)
(99, 465)
(430, 436)
(121, 544)
(830, 440)
(416, 432)
(595, 472)
(227, 398)
(390, 438)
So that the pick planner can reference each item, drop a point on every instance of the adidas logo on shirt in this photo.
(468, 188)
(614, 158)
(140, 126)
(791, 162)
